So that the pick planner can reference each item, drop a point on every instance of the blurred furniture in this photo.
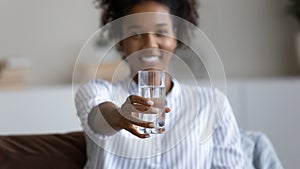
(259, 152)
(47, 151)
(14, 73)
(110, 71)
(61, 151)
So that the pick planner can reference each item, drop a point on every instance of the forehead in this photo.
(149, 6)
(148, 14)
(147, 20)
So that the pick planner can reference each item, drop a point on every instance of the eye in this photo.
(162, 32)
(136, 34)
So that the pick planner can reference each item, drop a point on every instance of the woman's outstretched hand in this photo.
(126, 117)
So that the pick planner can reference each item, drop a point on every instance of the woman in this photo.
(113, 140)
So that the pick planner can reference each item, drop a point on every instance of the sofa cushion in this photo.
(47, 151)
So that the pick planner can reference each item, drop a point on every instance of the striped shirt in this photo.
(201, 131)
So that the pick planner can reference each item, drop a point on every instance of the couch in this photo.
(68, 151)
(43, 151)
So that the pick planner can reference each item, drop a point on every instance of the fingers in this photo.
(134, 131)
(141, 123)
(141, 108)
(151, 110)
(140, 100)
(132, 124)
(167, 109)
(141, 104)
(136, 103)
(130, 111)
(147, 110)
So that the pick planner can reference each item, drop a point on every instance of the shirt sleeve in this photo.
(259, 151)
(227, 151)
(87, 97)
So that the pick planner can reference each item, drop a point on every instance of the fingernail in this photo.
(155, 110)
(147, 136)
(150, 102)
(151, 125)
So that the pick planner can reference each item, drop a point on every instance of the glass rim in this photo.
(161, 71)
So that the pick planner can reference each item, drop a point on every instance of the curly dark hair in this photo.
(186, 9)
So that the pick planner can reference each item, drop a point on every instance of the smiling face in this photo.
(149, 38)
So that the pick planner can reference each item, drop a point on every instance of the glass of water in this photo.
(151, 85)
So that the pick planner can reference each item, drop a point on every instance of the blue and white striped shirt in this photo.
(201, 131)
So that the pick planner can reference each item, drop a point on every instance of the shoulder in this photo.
(205, 90)
(205, 94)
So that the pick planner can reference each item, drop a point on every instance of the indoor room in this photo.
(248, 50)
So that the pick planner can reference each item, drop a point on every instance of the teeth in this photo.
(150, 59)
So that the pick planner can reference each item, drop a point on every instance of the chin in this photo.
(136, 68)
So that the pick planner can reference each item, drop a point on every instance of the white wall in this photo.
(254, 38)
(38, 110)
(49, 32)
(270, 106)
(273, 108)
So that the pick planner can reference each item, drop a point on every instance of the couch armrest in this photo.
(47, 151)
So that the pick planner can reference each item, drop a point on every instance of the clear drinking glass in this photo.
(151, 85)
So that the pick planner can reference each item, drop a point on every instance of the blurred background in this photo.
(256, 40)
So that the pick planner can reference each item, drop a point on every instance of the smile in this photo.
(150, 59)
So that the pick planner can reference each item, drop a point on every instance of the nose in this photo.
(150, 41)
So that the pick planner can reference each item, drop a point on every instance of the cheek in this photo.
(170, 44)
(129, 46)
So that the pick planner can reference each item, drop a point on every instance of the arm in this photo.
(116, 118)
(87, 99)
(100, 116)
(98, 121)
